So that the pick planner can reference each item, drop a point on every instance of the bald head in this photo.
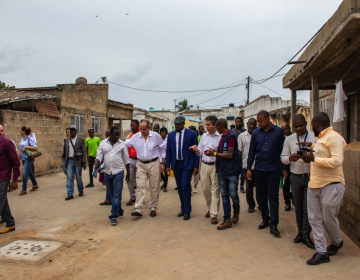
(222, 126)
(323, 119)
(320, 122)
(1, 130)
(286, 128)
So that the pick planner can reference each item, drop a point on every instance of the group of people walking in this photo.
(265, 156)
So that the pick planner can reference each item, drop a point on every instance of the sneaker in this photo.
(225, 224)
(164, 189)
(242, 190)
(195, 190)
(113, 221)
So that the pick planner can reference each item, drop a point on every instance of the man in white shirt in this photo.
(300, 176)
(209, 180)
(114, 153)
(244, 145)
(149, 147)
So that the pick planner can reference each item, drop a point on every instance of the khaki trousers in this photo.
(211, 190)
(323, 208)
(145, 172)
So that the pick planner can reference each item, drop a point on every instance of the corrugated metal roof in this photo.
(14, 96)
(47, 107)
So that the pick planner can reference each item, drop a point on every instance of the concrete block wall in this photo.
(349, 215)
(48, 133)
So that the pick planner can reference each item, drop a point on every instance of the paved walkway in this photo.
(164, 247)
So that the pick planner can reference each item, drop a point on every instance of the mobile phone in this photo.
(300, 153)
(306, 149)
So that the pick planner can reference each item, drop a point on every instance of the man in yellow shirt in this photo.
(326, 187)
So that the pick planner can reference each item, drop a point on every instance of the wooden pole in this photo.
(314, 97)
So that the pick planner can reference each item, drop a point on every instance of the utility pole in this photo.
(175, 105)
(248, 90)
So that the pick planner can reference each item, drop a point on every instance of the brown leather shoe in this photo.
(7, 229)
(136, 214)
(34, 188)
(207, 215)
(235, 218)
(225, 224)
(214, 220)
(130, 202)
(106, 202)
(23, 193)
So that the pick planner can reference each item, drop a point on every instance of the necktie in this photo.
(179, 147)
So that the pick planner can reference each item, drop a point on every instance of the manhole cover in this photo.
(28, 250)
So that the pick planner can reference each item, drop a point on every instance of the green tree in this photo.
(4, 86)
(183, 105)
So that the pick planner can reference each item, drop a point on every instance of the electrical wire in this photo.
(274, 91)
(261, 80)
(218, 95)
(273, 75)
(231, 93)
(169, 91)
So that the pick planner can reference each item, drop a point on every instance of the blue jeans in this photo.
(72, 172)
(114, 185)
(229, 188)
(27, 172)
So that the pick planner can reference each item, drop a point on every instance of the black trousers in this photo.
(299, 185)
(4, 205)
(267, 189)
(249, 187)
(91, 164)
(164, 178)
(286, 190)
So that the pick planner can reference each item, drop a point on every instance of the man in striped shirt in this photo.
(244, 145)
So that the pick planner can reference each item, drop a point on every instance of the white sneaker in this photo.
(194, 190)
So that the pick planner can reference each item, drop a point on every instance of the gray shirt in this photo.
(290, 147)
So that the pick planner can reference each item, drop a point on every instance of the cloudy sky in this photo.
(160, 45)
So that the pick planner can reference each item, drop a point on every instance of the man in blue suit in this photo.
(184, 162)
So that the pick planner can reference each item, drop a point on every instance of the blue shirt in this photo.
(267, 147)
(25, 142)
(236, 133)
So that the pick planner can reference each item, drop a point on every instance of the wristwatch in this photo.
(215, 154)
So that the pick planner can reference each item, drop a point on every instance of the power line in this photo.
(212, 90)
(263, 80)
(217, 96)
(273, 75)
(274, 91)
(169, 91)
(228, 96)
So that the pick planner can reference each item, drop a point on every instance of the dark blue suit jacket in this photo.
(191, 160)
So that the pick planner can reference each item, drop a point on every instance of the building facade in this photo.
(334, 55)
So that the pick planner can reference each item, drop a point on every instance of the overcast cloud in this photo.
(160, 45)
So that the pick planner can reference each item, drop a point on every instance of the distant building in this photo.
(50, 110)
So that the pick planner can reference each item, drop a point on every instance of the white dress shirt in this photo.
(152, 148)
(290, 147)
(115, 157)
(244, 140)
(209, 141)
(71, 149)
(182, 143)
(164, 144)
